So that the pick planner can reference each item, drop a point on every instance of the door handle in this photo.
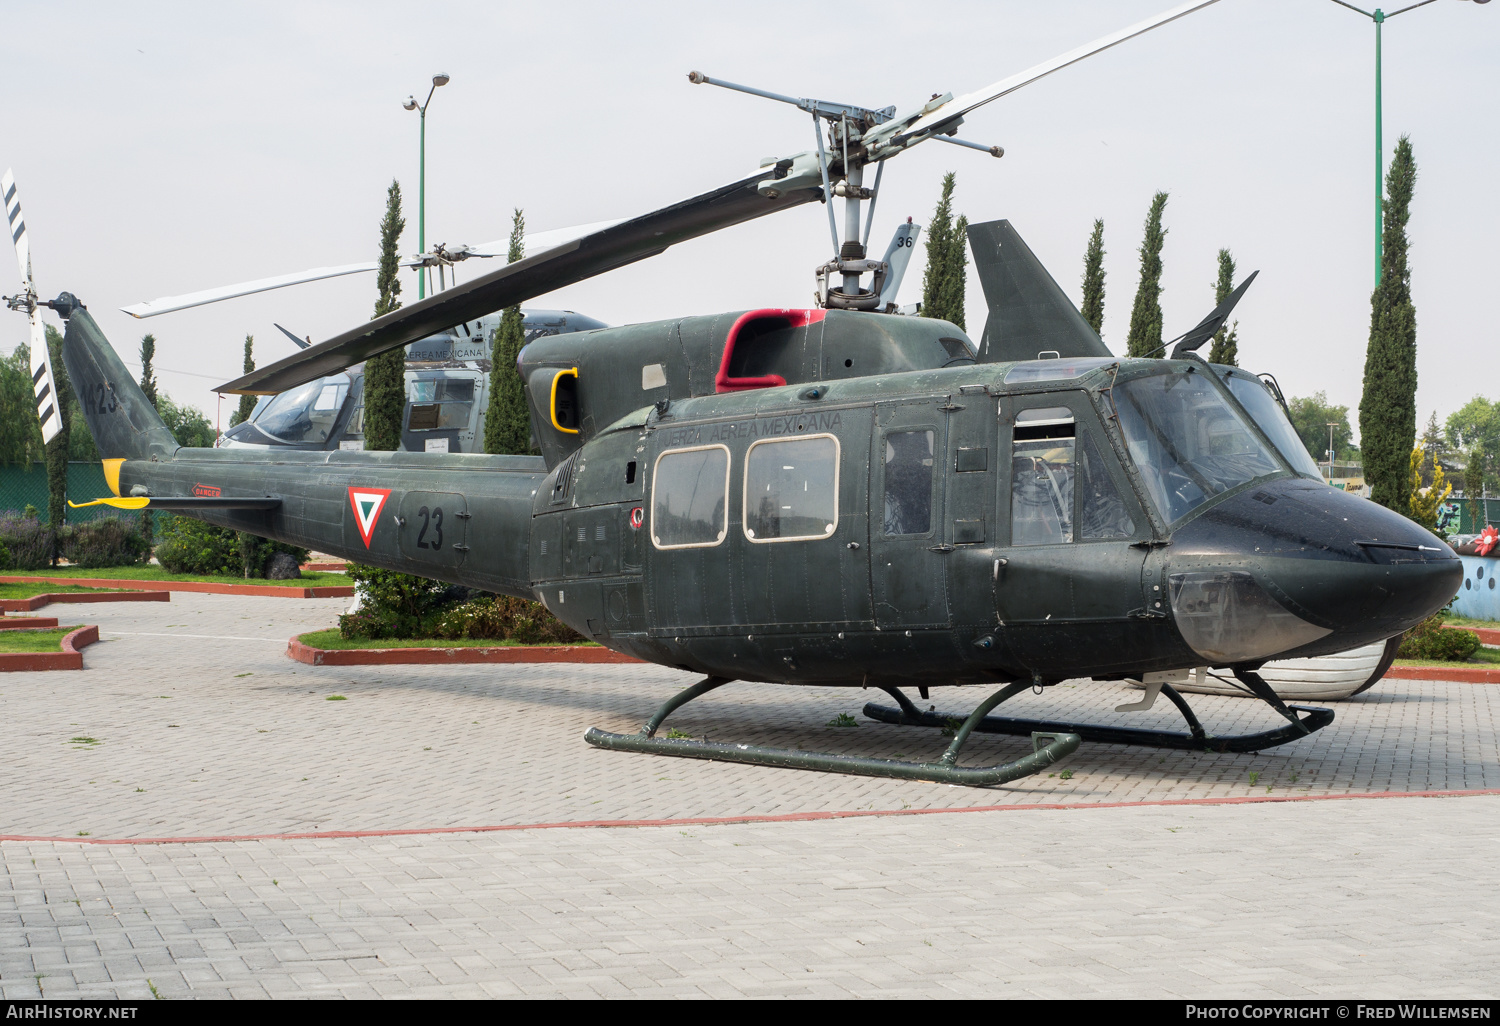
(941, 548)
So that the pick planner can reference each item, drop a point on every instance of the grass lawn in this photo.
(1464, 621)
(330, 639)
(309, 578)
(34, 641)
(30, 588)
(1483, 657)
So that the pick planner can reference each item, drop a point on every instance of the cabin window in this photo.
(792, 489)
(1043, 466)
(1061, 489)
(908, 482)
(689, 496)
(1101, 510)
(439, 404)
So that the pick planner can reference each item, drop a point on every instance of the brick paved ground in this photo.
(222, 734)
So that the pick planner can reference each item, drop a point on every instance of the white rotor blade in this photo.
(961, 105)
(16, 225)
(537, 242)
(44, 385)
(170, 304)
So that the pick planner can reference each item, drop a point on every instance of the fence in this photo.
(1469, 516)
(24, 485)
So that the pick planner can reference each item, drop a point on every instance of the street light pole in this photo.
(411, 104)
(1331, 426)
(1379, 17)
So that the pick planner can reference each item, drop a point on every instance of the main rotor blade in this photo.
(535, 242)
(536, 275)
(1210, 325)
(171, 304)
(959, 106)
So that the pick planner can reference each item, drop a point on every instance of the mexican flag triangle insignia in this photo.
(367, 504)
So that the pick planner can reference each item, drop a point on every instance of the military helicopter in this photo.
(837, 497)
(447, 373)
(447, 392)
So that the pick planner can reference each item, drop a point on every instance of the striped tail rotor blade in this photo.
(15, 225)
(43, 384)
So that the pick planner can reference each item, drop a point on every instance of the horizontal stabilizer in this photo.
(1029, 313)
(191, 502)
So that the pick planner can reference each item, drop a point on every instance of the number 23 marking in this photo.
(433, 520)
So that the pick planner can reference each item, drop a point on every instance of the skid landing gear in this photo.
(1048, 746)
(1197, 740)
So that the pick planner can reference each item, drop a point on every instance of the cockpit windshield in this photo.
(1188, 442)
(305, 413)
(1255, 397)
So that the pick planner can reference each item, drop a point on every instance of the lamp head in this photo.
(439, 80)
(411, 103)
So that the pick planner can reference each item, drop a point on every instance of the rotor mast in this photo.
(852, 141)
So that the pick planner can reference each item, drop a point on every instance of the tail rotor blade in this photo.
(43, 383)
(16, 225)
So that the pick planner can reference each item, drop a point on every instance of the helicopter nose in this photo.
(1295, 567)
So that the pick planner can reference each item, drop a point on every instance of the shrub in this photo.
(395, 605)
(1431, 640)
(255, 553)
(109, 541)
(189, 546)
(503, 617)
(27, 539)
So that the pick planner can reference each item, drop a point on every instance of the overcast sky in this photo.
(166, 148)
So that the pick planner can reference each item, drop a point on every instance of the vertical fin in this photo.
(1029, 313)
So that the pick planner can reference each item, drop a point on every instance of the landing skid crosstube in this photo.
(1197, 740)
(1048, 747)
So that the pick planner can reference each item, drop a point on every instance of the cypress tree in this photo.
(247, 402)
(1474, 476)
(1388, 407)
(385, 375)
(148, 386)
(1225, 347)
(1093, 279)
(1145, 317)
(507, 419)
(148, 375)
(957, 276)
(944, 280)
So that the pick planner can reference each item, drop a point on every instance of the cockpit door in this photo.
(1069, 577)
